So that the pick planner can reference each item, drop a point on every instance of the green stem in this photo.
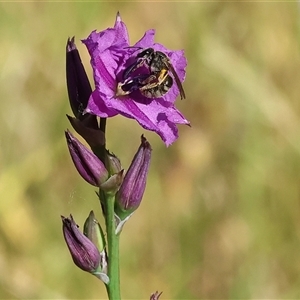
(113, 288)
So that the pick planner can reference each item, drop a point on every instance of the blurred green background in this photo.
(220, 218)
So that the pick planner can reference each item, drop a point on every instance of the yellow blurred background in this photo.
(220, 218)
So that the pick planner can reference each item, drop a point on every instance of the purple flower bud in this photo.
(132, 189)
(84, 253)
(155, 296)
(93, 231)
(88, 165)
(79, 88)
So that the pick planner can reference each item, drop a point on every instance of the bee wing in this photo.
(141, 59)
(130, 69)
(178, 82)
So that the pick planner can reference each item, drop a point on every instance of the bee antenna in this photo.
(133, 47)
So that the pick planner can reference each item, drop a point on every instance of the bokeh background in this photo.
(220, 218)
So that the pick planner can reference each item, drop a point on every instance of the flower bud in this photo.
(130, 194)
(79, 88)
(155, 296)
(94, 232)
(113, 183)
(88, 165)
(113, 163)
(84, 253)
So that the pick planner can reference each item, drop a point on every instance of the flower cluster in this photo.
(129, 189)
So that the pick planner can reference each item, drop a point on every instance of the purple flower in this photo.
(111, 54)
(84, 253)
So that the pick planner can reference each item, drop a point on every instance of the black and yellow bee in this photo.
(155, 84)
(151, 86)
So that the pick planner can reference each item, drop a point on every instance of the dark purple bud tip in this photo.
(71, 44)
(84, 253)
(88, 165)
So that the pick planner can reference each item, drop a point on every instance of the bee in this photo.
(159, 64)
(156, 87)
(151, 86)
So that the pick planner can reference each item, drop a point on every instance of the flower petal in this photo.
(154, 116)
(147, 40)
(98, 106)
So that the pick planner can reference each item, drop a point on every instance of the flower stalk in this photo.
(139, 82)
(113, 287)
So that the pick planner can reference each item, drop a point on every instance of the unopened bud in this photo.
(130, 194)
(155, 296)
(79, 88)
(88, 165)
(113, 163)
(84, 253)
(94, 232)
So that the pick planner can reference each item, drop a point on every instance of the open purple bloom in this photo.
(111, 54)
